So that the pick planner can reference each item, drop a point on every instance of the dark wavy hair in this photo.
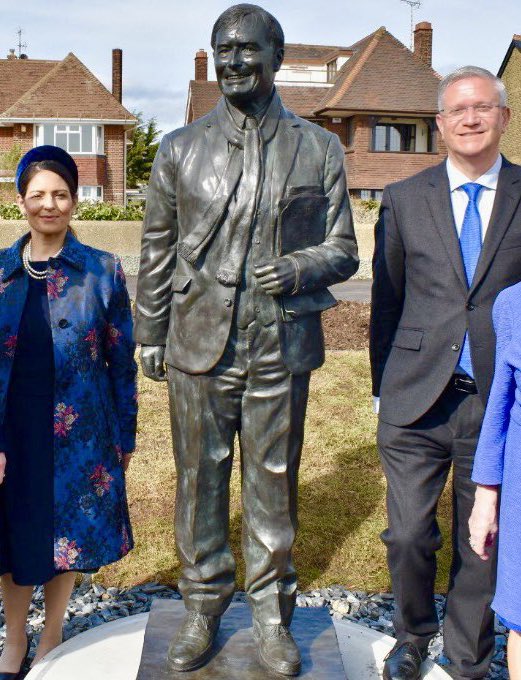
(34, 168)
(235, 14)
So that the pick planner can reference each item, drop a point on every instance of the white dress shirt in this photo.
(486, 196)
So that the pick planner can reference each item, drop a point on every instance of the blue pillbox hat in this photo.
(47, 152)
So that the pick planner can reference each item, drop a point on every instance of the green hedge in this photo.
(86, 211)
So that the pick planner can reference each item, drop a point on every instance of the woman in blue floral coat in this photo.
(67, 405)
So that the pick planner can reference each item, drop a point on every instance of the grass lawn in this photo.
(341, 489)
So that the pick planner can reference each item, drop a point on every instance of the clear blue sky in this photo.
(159, 38)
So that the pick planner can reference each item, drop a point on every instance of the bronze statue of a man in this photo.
(247, 223)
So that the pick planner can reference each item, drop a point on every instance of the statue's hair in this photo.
(471, 72)
(235, 14)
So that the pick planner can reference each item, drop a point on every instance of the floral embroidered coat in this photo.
(95, 400)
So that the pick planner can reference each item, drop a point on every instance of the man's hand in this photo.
(2, 466)
(278, 276)
(152, 362)
(483, 521)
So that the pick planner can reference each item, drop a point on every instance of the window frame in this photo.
(388, 127)
(97, 136)
(99, 190)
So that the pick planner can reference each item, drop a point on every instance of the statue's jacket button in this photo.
(227, 302)
(63, 323)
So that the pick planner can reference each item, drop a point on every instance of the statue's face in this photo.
(246, 62)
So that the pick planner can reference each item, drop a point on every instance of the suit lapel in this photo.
(287, 141)
(440, 206)
(505, 204)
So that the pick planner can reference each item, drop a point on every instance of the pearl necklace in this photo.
(34, 273)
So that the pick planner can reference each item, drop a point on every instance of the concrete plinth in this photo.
(113, 652)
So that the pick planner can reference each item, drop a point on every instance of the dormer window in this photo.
(331, 71)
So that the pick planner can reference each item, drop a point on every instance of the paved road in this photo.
(357, 290)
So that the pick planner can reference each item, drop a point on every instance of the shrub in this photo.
(10, 211)
(87, 210)
(365, 211)
(9, 159)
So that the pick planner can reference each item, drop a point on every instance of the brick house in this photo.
(510, 74)
(63, 103)
(377, 95)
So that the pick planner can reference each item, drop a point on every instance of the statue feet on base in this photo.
(191, 646)
(277, 649)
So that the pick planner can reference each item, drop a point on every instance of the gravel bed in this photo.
(92, 605)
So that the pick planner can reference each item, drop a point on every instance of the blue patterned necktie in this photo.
(470, 243)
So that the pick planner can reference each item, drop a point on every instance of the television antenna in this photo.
(21, 45)
(413, 4)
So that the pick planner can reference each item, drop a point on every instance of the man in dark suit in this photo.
(247, 223)
(447, 241)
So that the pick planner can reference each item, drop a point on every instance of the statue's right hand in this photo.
(152, 361)
(2, 466)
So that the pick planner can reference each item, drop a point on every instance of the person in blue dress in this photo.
(497, 472)
(68, 406)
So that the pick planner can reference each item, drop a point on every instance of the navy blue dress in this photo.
(27, 493)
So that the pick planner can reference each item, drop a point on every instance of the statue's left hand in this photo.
(152, 362)
(278, 276)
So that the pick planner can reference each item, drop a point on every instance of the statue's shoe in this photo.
(191, 646)
(277, 649)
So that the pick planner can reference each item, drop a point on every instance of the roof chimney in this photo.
(117, 73)
(201, 65)
(423, 42)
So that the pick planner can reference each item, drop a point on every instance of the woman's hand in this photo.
(126, 461)
(2, 466)
(483, 520)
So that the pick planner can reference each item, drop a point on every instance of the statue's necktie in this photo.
(229, 272)
(470, 243)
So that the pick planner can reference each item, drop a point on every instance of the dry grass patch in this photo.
(341, 489)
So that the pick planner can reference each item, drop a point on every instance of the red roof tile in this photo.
(383, 75)
(302, 100)
(19, 75)
(66, 89)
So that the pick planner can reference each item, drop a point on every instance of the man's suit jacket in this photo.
(184, 307)
(421, 304)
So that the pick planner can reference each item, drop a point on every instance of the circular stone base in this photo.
(113, 652)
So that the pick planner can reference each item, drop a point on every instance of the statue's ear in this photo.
(278, 58)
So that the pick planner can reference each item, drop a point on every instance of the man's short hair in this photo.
(235, 14)
(471, 72)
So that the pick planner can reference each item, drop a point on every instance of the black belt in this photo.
(463, 383)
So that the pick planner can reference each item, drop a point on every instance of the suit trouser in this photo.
(249, 392)
(416, 460)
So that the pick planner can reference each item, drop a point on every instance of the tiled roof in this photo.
(19, 75)
(322, 53)
(301, 100)
(65, 89)
(383, 75)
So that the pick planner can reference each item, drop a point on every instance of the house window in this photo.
(331, 71)
(76, 139)
(367, 194)
(350, 131)
(394, 137)
(94, 194)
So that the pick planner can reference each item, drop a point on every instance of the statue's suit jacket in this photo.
(421, 304)
(184, 307)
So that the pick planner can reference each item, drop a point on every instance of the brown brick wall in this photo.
(25, 139)
(339, 129)
(511, 140)
(373, 170)
(6, 139)
(114, 189)
(91, 170)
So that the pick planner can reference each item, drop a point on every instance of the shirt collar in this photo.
(488, 179)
